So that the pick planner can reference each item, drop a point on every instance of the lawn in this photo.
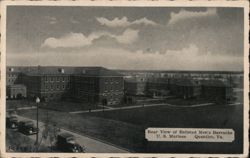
(198, 117)
(125, 128)
(64, 106)
(13, 104)
(181, 102)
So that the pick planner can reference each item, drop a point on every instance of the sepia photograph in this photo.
(140, 78)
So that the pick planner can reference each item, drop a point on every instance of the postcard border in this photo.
(242, 4)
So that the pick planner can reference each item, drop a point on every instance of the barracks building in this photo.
(95, 85)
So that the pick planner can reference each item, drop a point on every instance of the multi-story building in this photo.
(217, 91)
(187, 88)
(99, 86)
(86, 84)
(49, 84)
(12, 77)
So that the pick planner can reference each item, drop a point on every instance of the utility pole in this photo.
(37, 106)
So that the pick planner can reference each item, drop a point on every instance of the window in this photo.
(63, 86)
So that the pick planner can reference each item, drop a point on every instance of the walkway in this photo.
(23, 108)
(141, 106)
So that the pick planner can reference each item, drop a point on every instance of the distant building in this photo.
(135, 87)
(12, 76)
(157, 88)
(217, 91)
(187, 88)
(16, 91)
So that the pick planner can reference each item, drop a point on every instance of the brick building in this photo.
(217, 91)
(12, 77)
(187, 88)
(86, 84)
(99, 85)
(134, 86)
(49, 84)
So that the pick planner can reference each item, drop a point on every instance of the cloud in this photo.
(128, 36)
(123, 22)
(72, 40)
(184, 14)
(187, 58)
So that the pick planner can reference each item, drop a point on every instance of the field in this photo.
(126, 128)
(64, 106)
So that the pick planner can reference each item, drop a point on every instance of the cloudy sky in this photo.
(155, 38)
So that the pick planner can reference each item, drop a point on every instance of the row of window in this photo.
(56, 79)
(115, 82)
(111, 90)
(11, 80)
(111, 80)
(12, 75)
(56, 87)
(113, 94)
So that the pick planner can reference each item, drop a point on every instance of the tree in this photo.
(49, 133)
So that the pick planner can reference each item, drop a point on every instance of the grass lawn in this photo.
(65, 106)
(179, 101)
(125, 128)
(199, 117)
(12, 104)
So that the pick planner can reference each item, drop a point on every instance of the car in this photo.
(12, 122)
(27, 127)
(66, 142)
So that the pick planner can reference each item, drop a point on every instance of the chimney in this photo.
(61, 70)
(11, 69)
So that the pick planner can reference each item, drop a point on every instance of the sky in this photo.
(134, 38)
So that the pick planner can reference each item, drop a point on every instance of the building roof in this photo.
(64, 70)
(187, 82)
(215, 83)
(96, 71)
(17, 86)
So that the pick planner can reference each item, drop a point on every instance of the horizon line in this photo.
(120, 69)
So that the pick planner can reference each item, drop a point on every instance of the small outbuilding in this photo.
(16, 91)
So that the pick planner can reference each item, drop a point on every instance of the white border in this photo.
(242, 4)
